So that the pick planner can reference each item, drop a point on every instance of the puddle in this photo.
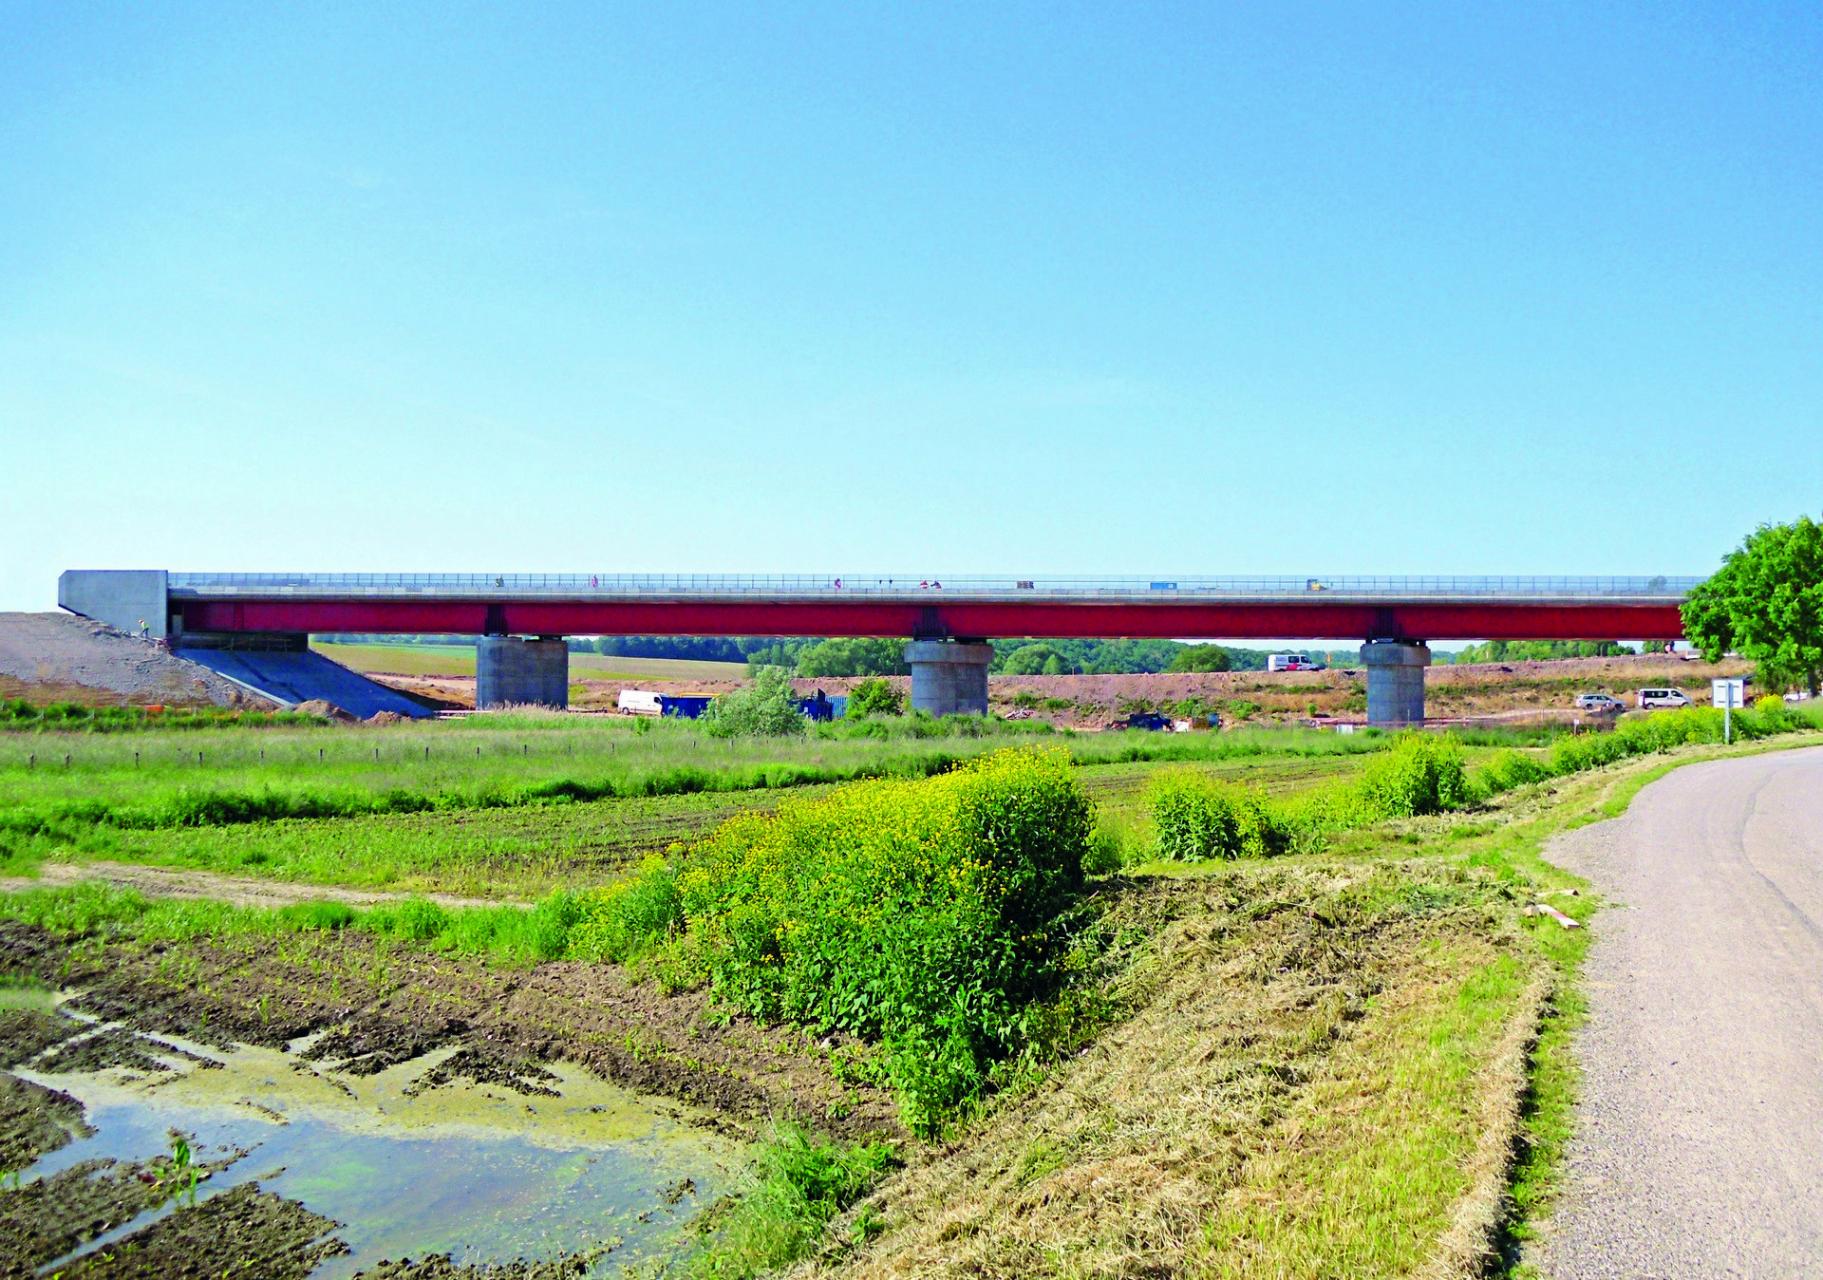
(410, 1168)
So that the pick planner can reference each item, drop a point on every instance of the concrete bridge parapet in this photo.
(949, 677)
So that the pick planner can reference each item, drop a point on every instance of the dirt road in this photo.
(242, 891)
(1699, 1141)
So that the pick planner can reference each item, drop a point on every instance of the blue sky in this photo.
(1032, 289)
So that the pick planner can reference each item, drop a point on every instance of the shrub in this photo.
(1106, 852)
(1195, 817)
(915, 914)
(626, 919)
(875, 697)
(1420, 774)
(1509, 769)
(767, 707)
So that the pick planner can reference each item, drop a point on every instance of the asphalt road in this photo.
(1699, 1142)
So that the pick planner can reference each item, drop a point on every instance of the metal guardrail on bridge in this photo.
(610, 586)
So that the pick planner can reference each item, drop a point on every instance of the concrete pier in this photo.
(522, 671)
(1395, 681)
(949, 677)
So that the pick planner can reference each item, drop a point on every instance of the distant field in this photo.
(459, 660)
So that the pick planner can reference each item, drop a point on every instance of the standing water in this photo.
(409, 1162)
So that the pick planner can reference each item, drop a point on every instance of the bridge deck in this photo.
(1315, 607)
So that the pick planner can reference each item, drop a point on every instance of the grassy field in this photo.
(1320, 1064)
(526, 851)
(55, 783)
(459, 660)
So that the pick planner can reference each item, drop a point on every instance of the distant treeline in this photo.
(846, 656)
(1539, 650)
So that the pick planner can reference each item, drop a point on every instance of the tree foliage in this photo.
(1539, 650)
(875, 697)
(1201, 657)
(766, 707)
(1766, 603)
(1036, 660)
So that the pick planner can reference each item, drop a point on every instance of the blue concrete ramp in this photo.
(299, 676)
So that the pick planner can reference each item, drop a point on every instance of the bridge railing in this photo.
(898, 586)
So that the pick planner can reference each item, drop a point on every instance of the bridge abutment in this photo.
(1395, 681)
(949, 677)
(522, 671)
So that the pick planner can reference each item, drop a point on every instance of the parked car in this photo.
(1600, 704)
(1292, 662)
(1650, 698)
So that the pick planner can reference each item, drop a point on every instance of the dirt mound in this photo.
(58, 657)
(328, 710)
(383, 718)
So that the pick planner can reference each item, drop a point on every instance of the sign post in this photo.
(1728, 694)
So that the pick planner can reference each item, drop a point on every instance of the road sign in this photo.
(1728, 694)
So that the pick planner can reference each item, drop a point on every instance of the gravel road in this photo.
(1699, 1142)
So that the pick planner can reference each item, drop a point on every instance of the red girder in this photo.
(1316, 620)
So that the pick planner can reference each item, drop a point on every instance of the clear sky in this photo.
(998, 288)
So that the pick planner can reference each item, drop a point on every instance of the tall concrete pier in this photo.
(1395, 681)
(949, 677)
(521, 671)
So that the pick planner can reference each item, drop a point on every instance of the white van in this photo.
(639, 702)
(1650, 698)
(1291, 662)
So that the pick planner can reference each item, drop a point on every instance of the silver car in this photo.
(1600, 704)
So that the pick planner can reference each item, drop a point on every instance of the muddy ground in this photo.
(374, 1007)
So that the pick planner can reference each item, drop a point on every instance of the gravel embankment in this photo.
(50, 656)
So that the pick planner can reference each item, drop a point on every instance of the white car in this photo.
(1651, 698)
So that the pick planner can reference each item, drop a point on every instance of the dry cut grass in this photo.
(1318, 1078)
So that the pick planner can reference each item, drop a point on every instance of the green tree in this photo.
(766, 707)
(1201, 657)
(875, 697)
(1766, 603)
(848, 656)
(1036, 660)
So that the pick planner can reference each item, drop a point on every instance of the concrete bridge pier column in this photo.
(949, 677)
(1395, 681)
(522, 671)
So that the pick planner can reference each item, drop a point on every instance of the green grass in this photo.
(104, 914)
(511, 853)
(459, 660)
(53, 786)
(796, 1185)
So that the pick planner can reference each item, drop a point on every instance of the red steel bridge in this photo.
(945, 617)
